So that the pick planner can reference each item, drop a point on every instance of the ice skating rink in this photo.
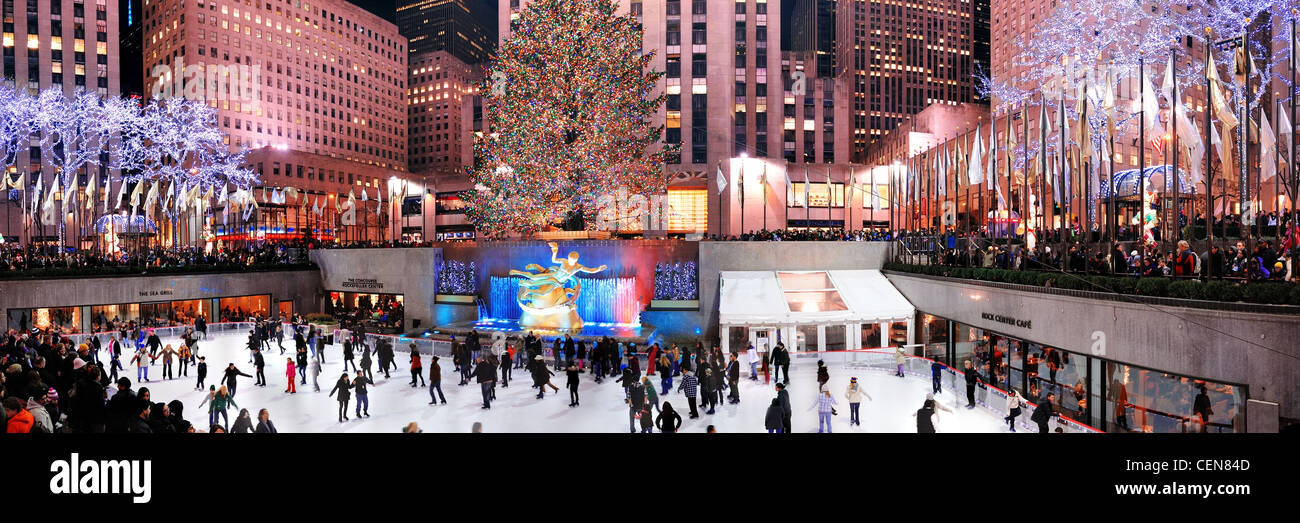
(394, 403)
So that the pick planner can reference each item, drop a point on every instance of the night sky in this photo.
(387, 9)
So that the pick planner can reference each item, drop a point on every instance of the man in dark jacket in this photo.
(972, 377)
(780, 361)
(485, 374)
(231, 377)
(635, 402)
(786, 410)
(259, 363)
(87, 413)
(1044, 412)
(121, 408)
(733, 376)
(140, 421)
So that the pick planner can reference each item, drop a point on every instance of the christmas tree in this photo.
(568, 103)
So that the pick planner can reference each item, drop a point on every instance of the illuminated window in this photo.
(9, 40)
(818, 195)
(33, 42)
(869, 200)
(79, 45)
(56, 43)
(101, 48)
(688, 210)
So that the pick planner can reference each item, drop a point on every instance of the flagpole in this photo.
(764, 180)
(1209, 147)
(1291, 142)
(1243, 180)
(1142, 149)
(1174, 104)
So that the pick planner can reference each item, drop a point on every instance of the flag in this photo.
(1267, 149)
(47, 208)
(990, 179)
(365, 195)
(1217, 101)
(1284, 129)
(151, 198)
(1056, 187)
(975, 172)
(379, 201)
(722, 180)
(17, 183)
(136, 194)
(1150, 108)
(36, 197)
(1107, 105)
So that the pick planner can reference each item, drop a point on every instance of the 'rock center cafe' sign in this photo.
(1009, 320)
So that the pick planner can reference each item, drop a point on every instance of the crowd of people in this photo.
(52, 384)
(29, 258)
(1266, 262)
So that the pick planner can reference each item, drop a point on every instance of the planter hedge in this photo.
(1274, 293)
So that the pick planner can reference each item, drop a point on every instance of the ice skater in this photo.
(202, 372)
(315, 373)
(1015, 402)
(925, 418)
(900, 358)
(485, 374)
(259, 364)
(435, 381)
(220, 399)
(417, 368)
(572, 373)
(140, 359)
(343, 386)
(347, 355)
(359, 389)
(231, 378)
(291, 374)
(853, 394)
(690, 386)
(668, 420)
(825, 405)
(301, 364)
(936, 376)
(542, 376)
(972, 377)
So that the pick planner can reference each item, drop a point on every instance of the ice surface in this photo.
(394, 403)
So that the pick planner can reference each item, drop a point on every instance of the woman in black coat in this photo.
(243, 424)
(343, 387)
(668, 420)
(542, 376)
(774, 421)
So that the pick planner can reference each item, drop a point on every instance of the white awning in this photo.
(809, 297)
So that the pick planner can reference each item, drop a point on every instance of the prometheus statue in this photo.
(549, 297)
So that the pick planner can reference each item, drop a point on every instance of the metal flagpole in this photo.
(1291, 142)
(1142, 146)
(1173, 149)
(1209, 148)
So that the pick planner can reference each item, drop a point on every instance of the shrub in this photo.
(1265, 292)
(1153, 287)
(1189, 289)
(1295, 295)
(321, 318)
(1219, 290)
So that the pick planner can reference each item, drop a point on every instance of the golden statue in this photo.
(544, 295)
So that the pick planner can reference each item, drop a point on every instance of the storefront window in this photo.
(964, 347)
(381, 313)
(1142, 400)
(113, 317)
(60, 319)
(934, 337)
(243, 307)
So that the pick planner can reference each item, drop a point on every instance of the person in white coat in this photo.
(900, 357)
(854, 396)
(752, 355)
(315, 372)
(1015, 402)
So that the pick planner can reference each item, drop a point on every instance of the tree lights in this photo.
(569, 104)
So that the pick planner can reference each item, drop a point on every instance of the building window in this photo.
(818, 195)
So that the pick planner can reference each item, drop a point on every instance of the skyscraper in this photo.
(315, 91)
(463, 28)
(903, 56)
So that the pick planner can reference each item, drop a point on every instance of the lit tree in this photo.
(569, 104)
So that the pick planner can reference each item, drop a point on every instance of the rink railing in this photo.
(164, 333)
